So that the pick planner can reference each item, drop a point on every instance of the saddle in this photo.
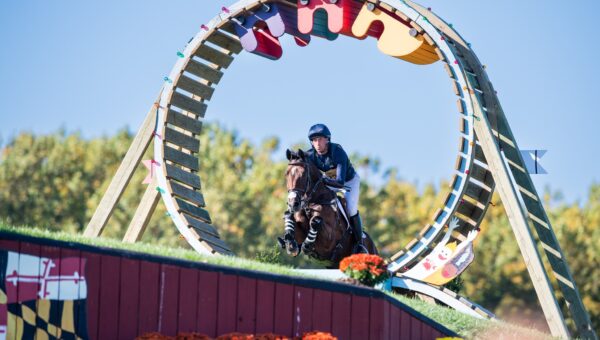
(340, 201)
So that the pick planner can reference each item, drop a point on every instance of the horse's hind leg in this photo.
(308, 246)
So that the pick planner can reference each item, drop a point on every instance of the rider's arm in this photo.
(341, 159)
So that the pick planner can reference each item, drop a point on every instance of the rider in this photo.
(330, 157)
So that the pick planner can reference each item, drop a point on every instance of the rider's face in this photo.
(320, 144)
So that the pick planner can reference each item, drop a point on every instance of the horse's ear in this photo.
(288, 154)
(301, 154)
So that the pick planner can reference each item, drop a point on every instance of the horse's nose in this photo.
(292, 199)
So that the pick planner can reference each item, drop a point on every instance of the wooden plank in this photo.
(142, 214)
(477, 192)
(92, 279)
(377, 322)
(188, 104)
(185, 122)
(395, 322)
(187, 193)
(190, 85)
(53, 253)
(360, 318)
(129, 298)
(78, 263)
(168, 295)
(246, 303)
(225, 41)
(208, 288)
(341, 315)
(265, 294)
(405, 325)
(461, 106)
(149, 301)
(468, 209)
(203, 71)
(214, 242)
(426, 331)
(449, 71)
(123, 176)
(303, 311)
(481, 174)
(415, 328)
(200, 226)
(456, 88)
(322, 310)
(184, 159)
(109, 296)
(180, 139)
(226, 314)
(178, 174)
(193, 210)
(214, 56)
(284, 309)
(188, 300)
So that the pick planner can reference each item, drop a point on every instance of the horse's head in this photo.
(298, 178)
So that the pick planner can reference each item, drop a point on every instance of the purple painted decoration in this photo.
(258, 31)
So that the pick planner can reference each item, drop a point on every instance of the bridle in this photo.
(305, 195)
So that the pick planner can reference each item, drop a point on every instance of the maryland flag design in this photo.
(42, 298)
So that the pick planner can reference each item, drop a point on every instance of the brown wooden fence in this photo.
(101, 293)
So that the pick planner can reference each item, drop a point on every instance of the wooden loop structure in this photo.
(488, 156)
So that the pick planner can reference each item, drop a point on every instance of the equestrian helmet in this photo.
(319, 130)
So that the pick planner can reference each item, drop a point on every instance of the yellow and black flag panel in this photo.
(47, 319)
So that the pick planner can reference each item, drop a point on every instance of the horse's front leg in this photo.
(308, 246)
(289, 238)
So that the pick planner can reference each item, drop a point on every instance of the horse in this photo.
(316, 218)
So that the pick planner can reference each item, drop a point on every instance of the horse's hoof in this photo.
(308, 248)
(292, 248)
(281, 242)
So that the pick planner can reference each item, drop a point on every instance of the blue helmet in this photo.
(319, 130)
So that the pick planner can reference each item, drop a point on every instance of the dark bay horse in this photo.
(314, 218)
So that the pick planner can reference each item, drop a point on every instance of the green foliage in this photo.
(271, 255)
(456, 284)
(55, 181)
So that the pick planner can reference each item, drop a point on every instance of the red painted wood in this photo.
(92, 279)
(322, 310)
(405, 325)
(208, 290)
(395, 322)
(303, 308)
(284, 309)
(246, 305)
(426, 331)
(54, 254)
(226, 316)
(359, 318)
(188, 300)
(129, 298)
(81, 263)
(149, 297)
(341, 315)
(415, 328)
(26, 248)
(169, 295)
(377, 322)
(265, 294)
(9, 245)
(109, 296)
(387, 318)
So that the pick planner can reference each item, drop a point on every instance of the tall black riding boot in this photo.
(357, 230)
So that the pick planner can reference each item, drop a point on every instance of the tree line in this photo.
(55, 181)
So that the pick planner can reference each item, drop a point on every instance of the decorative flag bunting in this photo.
(149, 164)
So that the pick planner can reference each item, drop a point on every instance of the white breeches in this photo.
(352, 195)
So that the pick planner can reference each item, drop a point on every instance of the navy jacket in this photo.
(335, 158)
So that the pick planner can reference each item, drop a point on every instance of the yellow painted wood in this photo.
(395, 40)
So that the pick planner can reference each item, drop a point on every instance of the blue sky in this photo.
(96, 67)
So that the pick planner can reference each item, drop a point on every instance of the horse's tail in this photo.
(370, 245)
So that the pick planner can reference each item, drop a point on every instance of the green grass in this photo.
(462, 324)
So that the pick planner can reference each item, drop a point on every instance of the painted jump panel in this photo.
(133, 293)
